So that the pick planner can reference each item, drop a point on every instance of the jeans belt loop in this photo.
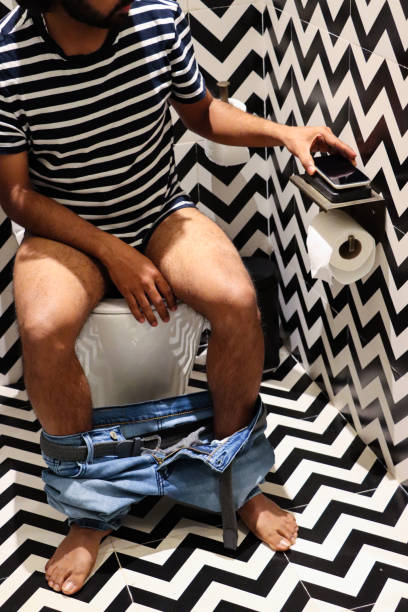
(88, 441)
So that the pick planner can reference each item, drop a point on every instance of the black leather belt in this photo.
(120, 448)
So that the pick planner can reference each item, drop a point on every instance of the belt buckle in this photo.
(155, 437)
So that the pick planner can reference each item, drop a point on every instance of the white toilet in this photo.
(128, 362)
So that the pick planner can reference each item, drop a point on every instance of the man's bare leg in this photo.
(55, 288)
(205, 271)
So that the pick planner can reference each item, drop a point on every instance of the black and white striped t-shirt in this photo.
(97, 127)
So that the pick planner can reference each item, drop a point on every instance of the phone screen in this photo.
(339, 170)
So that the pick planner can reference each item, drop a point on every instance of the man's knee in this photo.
(44, 333)
(55, 289)
(238, 308)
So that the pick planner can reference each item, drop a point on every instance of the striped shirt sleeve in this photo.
(187, 81)
(12, 137)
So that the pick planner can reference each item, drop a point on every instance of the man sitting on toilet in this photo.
(87, 167)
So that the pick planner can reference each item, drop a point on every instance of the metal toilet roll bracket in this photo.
(368, 212)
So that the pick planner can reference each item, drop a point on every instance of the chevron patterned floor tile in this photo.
(352, 516)
(195, 573)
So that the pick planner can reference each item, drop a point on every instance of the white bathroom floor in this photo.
(351, 552)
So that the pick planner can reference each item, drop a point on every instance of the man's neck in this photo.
(74, 37)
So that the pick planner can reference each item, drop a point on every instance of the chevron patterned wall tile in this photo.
(363, 97)
(382, 26)
(279, 59)
(282, 221)
(321, 80)
(376, 315)
(235, 197)
(358, 380)
(373, 407)
(316, 334)
(221, 58)
(11, 366)
(5, 6)
(378, 90)
(379, 406)
(332, 15)
(320, 97)
(379, 303)
(224, 5)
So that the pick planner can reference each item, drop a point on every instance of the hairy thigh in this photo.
(199, 261)
(55, 285)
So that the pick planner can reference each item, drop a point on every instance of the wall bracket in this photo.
(369, 212)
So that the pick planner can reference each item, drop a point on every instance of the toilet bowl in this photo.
(128, 362)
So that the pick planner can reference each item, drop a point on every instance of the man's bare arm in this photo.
(222, 122)
(135, 276)
(45, 217)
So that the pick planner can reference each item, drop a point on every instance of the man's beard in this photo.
(81, 11)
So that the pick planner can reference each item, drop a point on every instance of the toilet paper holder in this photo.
(368, 212)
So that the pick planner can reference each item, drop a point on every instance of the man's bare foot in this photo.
(74, 559)
(269, 523)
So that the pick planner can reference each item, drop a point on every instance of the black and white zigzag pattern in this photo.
(312, 62)
(353, 518)
(328, 65)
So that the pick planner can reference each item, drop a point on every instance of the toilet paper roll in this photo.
(328, 249)
(227, 155)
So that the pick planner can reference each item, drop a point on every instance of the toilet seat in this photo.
(114, 306)
(128, 362)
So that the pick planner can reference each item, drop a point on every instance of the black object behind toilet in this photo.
(265, 278)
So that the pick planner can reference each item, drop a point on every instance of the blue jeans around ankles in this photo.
(99, 491)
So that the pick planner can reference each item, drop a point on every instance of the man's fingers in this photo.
(341, 147)
(145, 306)
(134, 307)
(158, 302)
(167, 293)
(327, 142)
(307, 162)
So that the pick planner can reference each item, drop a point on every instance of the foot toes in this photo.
(49, 566)
(281, 544)
(285, 533)
(72, 585)
(57, 578)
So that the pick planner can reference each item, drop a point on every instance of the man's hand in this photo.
(140, 283)
(303, 141)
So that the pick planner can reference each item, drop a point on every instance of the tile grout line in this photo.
(354, 492)
(126, 584)
(301, 581)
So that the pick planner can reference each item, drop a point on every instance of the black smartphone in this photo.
(339, 172)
